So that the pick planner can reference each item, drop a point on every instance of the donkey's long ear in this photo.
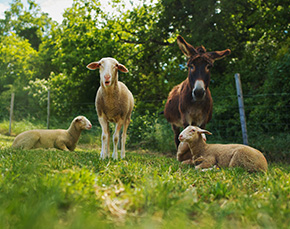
(93, 65)
(187, 49)
(217, 55)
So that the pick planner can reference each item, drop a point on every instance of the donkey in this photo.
(190, 102)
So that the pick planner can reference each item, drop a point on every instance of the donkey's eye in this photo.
(191, 67)
(208, 67)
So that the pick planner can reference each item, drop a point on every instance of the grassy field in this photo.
(55, 189)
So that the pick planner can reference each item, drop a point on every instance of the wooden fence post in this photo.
(48, 108)
(241, 108)
(11, 112)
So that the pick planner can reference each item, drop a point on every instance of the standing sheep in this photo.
(114, 103)
(60, 139)
(222, 155)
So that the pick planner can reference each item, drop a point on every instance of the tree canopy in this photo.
(38, 54)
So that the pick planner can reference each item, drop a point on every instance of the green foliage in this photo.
(55, 189)
(150, 131)
(30, 24)
(19, 127)
(38, 54)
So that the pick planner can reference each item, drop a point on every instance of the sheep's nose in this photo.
(107, 77)
(180, 137)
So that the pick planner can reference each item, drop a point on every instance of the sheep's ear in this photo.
(122, 68)
(187, 49)
(78, 119)
(93, 65)
(204, 132)
(217, 55)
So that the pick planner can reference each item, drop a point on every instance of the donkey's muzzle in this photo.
(198, 91)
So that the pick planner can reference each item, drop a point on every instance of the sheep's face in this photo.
(192, 133)
(83, 123)
(108, 70)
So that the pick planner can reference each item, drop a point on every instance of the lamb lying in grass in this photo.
(59, 139)
(222, 155)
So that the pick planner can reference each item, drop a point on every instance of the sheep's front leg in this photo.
(63, 147)
(206, 162)
(60, 144)
(116, 139)
(105, 138)
(124, 136)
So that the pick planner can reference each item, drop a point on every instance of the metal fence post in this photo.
(11, 112)
(48, 108)
(241, 108)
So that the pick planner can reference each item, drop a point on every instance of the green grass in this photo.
(55, 189)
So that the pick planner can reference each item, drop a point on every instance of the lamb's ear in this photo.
(217, 55)
(78, 119)
(204, 132)
(93, 65)
(122, 68)
(187, 49)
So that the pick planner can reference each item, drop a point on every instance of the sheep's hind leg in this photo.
(105, 138)
(27, 142)
(116, 139)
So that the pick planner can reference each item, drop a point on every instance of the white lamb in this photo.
(59, 139)
(114, 103)
(221, 155)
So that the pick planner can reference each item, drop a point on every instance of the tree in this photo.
(16, 69)
(31, 24)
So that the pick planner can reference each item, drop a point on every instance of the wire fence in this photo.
(267, 120)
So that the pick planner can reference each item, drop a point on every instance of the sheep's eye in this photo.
(192, 131)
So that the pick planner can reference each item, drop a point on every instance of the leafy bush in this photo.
(150, 131)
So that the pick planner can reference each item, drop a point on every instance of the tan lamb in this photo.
(60, 139)
(114, 103)
(221, 155)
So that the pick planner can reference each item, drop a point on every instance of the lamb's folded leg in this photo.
(206, 163)
(62, 147)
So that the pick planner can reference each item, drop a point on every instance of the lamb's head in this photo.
(108, 70)
(192, 134)
(82, 123)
